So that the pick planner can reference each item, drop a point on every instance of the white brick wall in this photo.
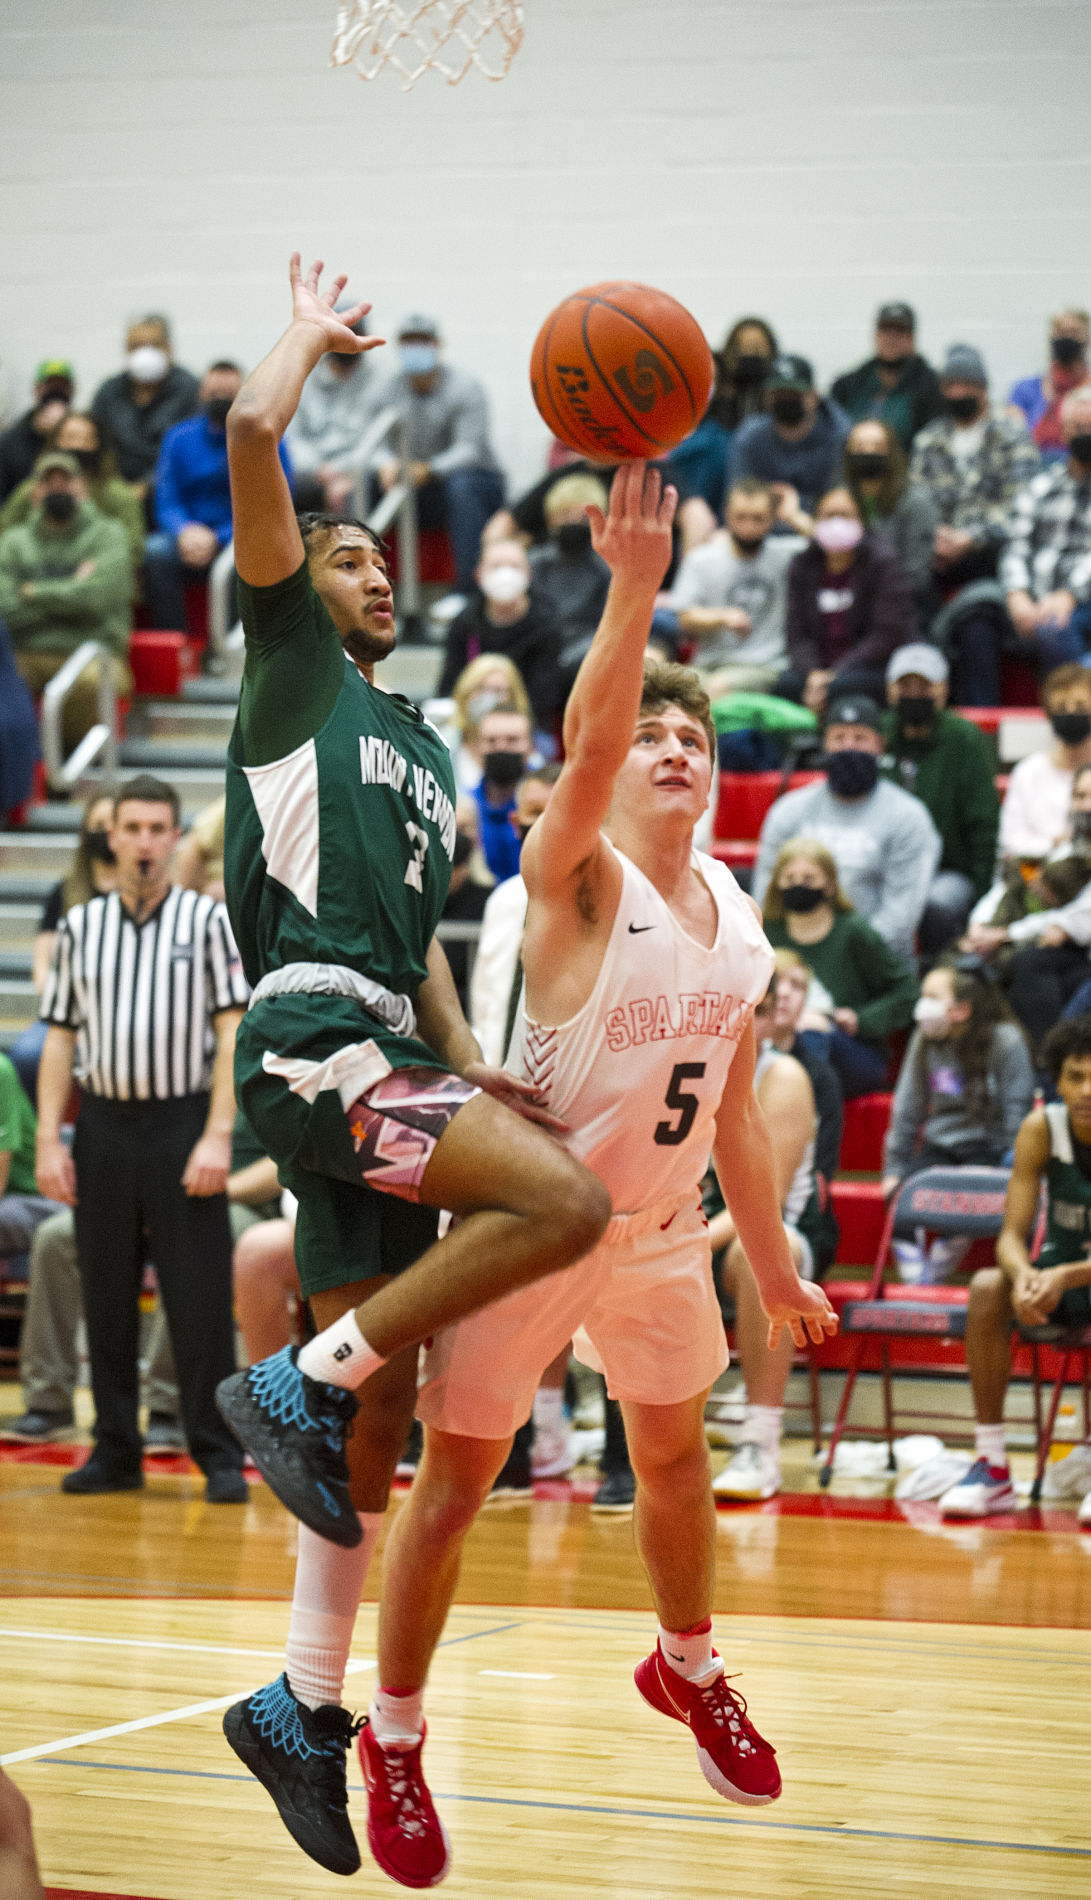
(802, 158)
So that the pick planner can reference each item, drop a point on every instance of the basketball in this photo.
(621, 371)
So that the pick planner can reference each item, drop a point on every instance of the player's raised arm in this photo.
(267, 542)
(634, 539)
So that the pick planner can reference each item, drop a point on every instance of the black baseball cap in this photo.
(896, 316)
(854, 710)
(790, 372)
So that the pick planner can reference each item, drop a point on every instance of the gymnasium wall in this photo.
(802, 158)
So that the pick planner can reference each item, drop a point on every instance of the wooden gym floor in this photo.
(927, 1689)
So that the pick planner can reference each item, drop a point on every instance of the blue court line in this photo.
(634, 1814)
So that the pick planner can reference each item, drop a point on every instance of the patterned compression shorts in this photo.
(396, 1124)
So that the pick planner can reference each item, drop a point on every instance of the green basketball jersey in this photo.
(340, 804)
(1068, 1196)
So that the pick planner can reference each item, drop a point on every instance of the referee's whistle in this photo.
(144, 867)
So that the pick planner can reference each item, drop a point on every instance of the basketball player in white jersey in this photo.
(644, 962)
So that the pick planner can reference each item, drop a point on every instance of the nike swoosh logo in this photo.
(675, 1658)
(663, 1228)
(637, 930)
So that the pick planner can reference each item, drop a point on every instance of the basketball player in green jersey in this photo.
(354, 1064)
(1052, 1150)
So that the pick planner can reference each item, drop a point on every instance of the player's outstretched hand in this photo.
(523, 1097)
(807, 1314)
(310, 305)
(634, 539)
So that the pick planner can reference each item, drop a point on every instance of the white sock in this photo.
(325, 1599)
(763, 1428)
(548, 1413)
(689, 1652)
(989, 1444)
(396, 1717)
(340, 1355)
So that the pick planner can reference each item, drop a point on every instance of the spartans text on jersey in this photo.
(662, 1018)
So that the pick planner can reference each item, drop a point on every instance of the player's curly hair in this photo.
(1071, 1037)
(668, 684)
(320, 521)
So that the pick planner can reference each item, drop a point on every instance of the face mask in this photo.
(916, 709)
(851, 774)
(930, 1013)
(749, 543)
(504, 769)
(1081, 826)
(504, 584)
(463, 850)
(59, 506)
(216, 409)
(1079, 448)
(788, 407)
(417, 359)
(962, 408)
(98, 847)
(1072, 728)
(838, 535)
(866, 468)
(1066, 350)
(574, 538)
(147, 364)
(751, 369)
(802, 897)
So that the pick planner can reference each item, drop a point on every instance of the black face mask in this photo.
(504, 769)
(1066, 350)
(1081, 827)
(1079, 449)
(802, 897)
(574, 538)
(788, 407)
(751, 369)
(216, 409)
(59, 506)
(865, 468)
(851, 774)
(748, 543)
(98, 847)
(1071, 728)
(916, 709)
(962, 408)
(463, 850)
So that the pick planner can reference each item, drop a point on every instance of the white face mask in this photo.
(930, 1013)
(837, 534)
(504, 584)
(148, 364)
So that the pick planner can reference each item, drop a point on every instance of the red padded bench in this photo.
(161, 661)
(745, 797)
(860, 1211)
(866, 1120)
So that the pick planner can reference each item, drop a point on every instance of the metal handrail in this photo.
(101, 740)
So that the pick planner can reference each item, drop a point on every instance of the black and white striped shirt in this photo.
(142, 997)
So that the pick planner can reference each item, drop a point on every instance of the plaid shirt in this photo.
(975, 496)
(1049, 536)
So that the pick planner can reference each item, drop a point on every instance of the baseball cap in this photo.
(790, 372)
(920, 658)
(418, 324)
(54, 366)
(854, 710)
(896, 316)
(964, 364)
(56, 458)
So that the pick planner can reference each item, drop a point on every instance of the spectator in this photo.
(489, 682)
(153, 1134)
(797, 445)
(1034, 814)
(65, 578)
(135, 408)
(448, 455)
(1052, 1154)
(498, 975)
(19, 748)
(79, 436)
(566, 576)
(877, 472)
(1046, 567)
(882, 839)
(1038, 399)
(896, 386)
(1040, 931)
(468, 892)
(327, 429)
(787, 1100)
(946, 763)
(782, 1031)
(199, 865)
(23, 443)
(849, 606)
(730, 595)
(192, 499)
(22, 1208)
(698, 466)
(505, 742)
(861, 990)
(268, 1302)
(972, 461)
(504, 617)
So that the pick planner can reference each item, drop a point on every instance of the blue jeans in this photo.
(26, 1053)
(980, 639)
(861, 1067)
(462, 502)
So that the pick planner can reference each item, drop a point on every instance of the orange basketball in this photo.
(621, 371)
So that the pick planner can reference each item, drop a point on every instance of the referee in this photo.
(144, 995)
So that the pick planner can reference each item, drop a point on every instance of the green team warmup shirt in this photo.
(1068, 1196)
(339, 836)
(18, 1130)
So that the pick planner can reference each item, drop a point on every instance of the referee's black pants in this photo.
(130, 1157)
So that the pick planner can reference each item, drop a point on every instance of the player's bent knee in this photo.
(582, 1212)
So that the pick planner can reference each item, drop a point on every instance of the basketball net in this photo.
(418, 36)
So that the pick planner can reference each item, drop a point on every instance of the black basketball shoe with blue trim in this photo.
(298, 1754)
(295, 1428)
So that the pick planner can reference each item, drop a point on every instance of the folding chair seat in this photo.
(945, 1202)
(1072, 1346)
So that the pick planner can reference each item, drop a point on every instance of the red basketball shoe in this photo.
(404, 1832)
(734, 1758)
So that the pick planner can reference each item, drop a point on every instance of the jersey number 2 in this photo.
(672, 1134)
(414, 870)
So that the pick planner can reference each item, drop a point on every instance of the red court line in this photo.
(84, 1893)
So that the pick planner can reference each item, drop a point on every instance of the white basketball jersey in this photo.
(639, 1071)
